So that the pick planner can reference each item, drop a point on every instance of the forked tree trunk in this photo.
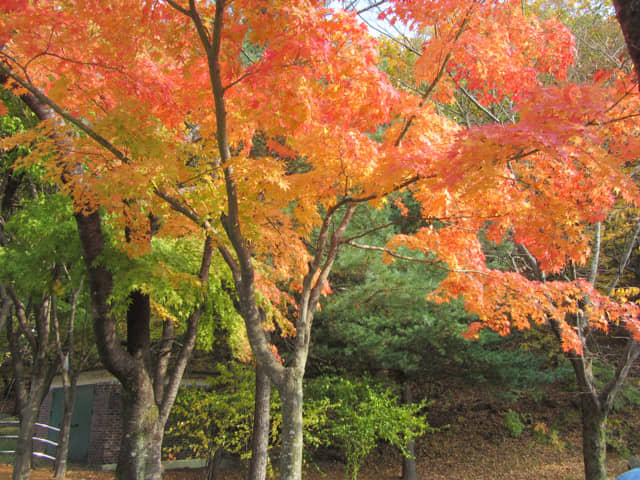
(260, 438)
(30, 393)
(145, 415)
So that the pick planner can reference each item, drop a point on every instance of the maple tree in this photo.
(253, 121)
(571, 314)
(122, 290)
(39, 288)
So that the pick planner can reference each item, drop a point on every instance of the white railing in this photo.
(36, 439)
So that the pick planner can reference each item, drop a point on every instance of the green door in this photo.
(80, 422)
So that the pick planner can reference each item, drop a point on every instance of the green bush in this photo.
(353, 415)
(220, 415)
(363, 414)
(513, 423)
(217, 416)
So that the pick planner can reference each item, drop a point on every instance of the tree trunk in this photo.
(628, 13)
(292, 441)
(214, 463)
(594, 445)
(153, 470)
(29, 392)
(409, 462)
(60, 467)
(260, 437)
(24, 444)
(28, 417)
(139, 415)
(144, 416)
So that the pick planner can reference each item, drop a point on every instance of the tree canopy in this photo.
(267, 124)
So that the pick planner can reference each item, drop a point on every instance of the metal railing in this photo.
(36, 439)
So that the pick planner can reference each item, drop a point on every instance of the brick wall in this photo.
(106, 424)
(44, 415)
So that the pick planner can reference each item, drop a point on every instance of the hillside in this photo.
(475, 442)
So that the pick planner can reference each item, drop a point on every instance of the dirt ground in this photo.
(473, 444)
(504, 460)
(444, 456)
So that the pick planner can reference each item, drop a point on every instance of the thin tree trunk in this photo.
(409, 462)
(69, 374)
(62, 454)
(214, 463)
(260, 438)
(28, 417)
(292, 441)
(29, 398)
(594, 445)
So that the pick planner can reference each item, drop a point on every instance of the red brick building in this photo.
(96, 426)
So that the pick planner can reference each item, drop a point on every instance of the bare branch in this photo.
(624, 260)
(399, 256)
(478, 104)
(370, 7)
(22, 318)
(177, 7)
(593, 274)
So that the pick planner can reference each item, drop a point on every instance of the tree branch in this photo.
(438, 77)
(624, 260)
(609, 392)
(66, 115)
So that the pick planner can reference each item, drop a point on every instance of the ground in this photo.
(541, 442)
(444, 458)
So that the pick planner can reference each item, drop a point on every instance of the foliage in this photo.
(462, 176)
(629, 395)
(513, 423)
(44, 238)
(510, 367)
(218, 416)
(379, 319)
(547, 435)
(362, 415)
(304, 78)
(353, 415)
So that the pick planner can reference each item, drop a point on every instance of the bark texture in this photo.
(594, 444)
(409, 471)
(628, 13)
(260, 437)
(60, 466)
(292, 432)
